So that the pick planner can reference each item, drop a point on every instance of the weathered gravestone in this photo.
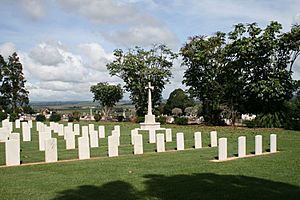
(51, 150)
(180, 141)
(198, 140)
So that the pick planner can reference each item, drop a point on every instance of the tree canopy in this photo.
(178, 99)
(107, 95)
(248, 70)
(14, 95)
(137, 67)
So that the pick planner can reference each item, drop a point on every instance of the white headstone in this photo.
(132, 134)
(70, 124)
(113, 146)
(70, 140)
(67, 130)
(83, 148)
(222, 149)
(7, 124)
(52, 125)
(4, 133)
(18, 123)
(101, 130)
(116, 134)
(15, 136)
(180, 141)
(76, 129)
(12, 152)
(43, 136)
(242, 146)
(168, 135)
(38, 126)
(26, 132)
(213, 139)
(138, 144)
(198, 140)
(84, 130)
(117, 128)
(160, 143)
(61, 130)
(94, 139)
(273, 143)
(258, 144)
(91, 128)
(30, 123)
(51, 150)
(152, 136)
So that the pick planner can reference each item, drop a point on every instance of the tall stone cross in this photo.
(149, 98)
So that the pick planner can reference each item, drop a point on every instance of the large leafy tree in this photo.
(137, 67)
(107, 95)
(14, 93)
(178, 99)
(204, 59)
(250, 72)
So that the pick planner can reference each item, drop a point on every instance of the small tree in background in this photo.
(55, 117)
(107, 95)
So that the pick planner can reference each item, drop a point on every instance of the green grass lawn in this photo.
(171, 175)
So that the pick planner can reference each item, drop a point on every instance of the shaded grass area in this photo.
(171, 175)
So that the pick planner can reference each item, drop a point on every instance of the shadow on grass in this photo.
(188, 187)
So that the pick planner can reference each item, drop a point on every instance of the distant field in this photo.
(171, 175)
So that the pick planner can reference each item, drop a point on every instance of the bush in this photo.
(55, 117)
(97, 117)
(181, 120)
(70, 118)
(3, 115)
(40, 118)
(76, 116)
(13, 117)
(120, 118)
(268, 120)
(250, 123)
(140, 119)
(161, 120)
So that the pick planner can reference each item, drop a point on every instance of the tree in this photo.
(137, 67)
(204, 59)
(14, 93)
(251, 72)
(107, 95)
(176, 111)
(178, 99)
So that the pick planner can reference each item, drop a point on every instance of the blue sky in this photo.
(64, 45)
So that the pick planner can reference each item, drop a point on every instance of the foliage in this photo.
(248, 71)
(107, 95)
(120, 118)
(97, 117)
(13, 91)
(181, 120)
(40, 118)
(3, 115)
(13, 117)
(140, 119)
(76, 115)
(55, 117)
(292, 114)
(70, 118)
(178, 99)
(137, 67)
(176, 111)
(28, 110)
(161, 119)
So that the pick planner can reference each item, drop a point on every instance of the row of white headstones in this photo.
(89, 139)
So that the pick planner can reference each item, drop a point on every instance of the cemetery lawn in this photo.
(182, 175)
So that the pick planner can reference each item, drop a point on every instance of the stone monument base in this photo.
(150, 123)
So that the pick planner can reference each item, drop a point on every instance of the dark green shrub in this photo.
(13, 117)
(55, 117)
(161, 120)
(181, 120)
(3, 115)
(70, 118)
(140, 119)
(268, 120)
(97, 117)
(250, 124)
(76, 116)
(40, 118)
(120, 118)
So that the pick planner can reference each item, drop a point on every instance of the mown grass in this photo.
(172, 175)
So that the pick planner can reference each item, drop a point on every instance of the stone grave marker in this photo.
(113, 146)
(138, 144)
(180, 141)
(273, 143)
(258, 144)
(12, 152)
(213, 139)
(101, 130)
(168, 135)
(51, 150)
(198, 140)
(26, 132)
(222, 149)
(160, 142)
(83, 148)
(242, 146)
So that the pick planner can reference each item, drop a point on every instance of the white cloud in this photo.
(143, 36)
(36, 9)
(7, 49)
(95, 56)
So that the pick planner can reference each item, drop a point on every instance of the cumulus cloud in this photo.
(95, 56)
(143, 36)
(7, 49)
(69, 77)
